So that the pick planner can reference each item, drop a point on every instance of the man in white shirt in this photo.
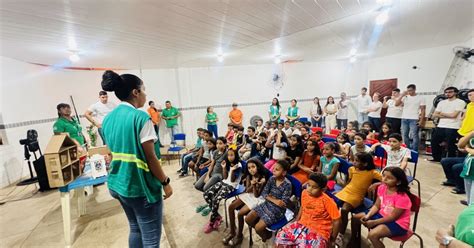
(449, 113)
(394, 113)
(374, 110)
(363, 101)
(413, 116)
(97, 111)
(341, 115)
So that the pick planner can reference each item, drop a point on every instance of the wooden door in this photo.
(384, 87)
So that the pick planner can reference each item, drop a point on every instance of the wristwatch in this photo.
(446, 240)
(166, 182)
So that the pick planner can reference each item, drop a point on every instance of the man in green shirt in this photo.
(170, 114)
(66, 124)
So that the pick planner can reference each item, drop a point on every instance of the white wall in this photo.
(30, 92)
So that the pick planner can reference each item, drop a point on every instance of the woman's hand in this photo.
(370, 223)
(168, 191)
(262, 181)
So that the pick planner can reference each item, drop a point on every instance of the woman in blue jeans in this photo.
(136, 178)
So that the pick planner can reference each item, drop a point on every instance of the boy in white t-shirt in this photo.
(97, 112)
(413, 116)
(397, 155)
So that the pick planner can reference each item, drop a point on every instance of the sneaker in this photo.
(179, 171)
(183, 174)
(463, 202)
(208, 227)
(200, 208)
(217, 222)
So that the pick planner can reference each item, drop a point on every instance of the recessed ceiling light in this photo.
(382, 18)
(74, 57)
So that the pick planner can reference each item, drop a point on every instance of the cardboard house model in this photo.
(62, 160)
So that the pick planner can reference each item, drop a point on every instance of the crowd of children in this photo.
(268, 159)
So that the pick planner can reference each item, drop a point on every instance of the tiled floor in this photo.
(37, 221)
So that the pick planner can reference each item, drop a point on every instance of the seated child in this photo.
(309, 161)
(297, 128)
(259, 150)
(277, 193)
(329, 164)
(318, 221)
(259, 127)
(229, 136)
(360, 178)
(278, 143)
(359, 146)
(287, 129)
(214, 174)
(191, 154)
(204, 155)
(390, 215)
(343, 146)
(294, 151)
(368, 129)
(246, 149)
(254, 181)
(305, 135)
(239, 137)
(352, 129)
(318, 136)
(397, 155)
(385, 133)
(231, 169)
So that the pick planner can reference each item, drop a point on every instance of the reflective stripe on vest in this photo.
(130, 158)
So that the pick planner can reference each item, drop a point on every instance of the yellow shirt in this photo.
(355, 191)
(467, 125)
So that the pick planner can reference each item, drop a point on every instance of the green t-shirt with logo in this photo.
(468, 168)
(72, 127)
(211, 118)
(169, 113)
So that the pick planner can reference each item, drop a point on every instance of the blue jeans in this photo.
(213, 129)
(185, 159)
(452, 168)
(173, 130)
(341, 123)
(362, 117)
(145, 220)
(375, 123)
(101, 134)
(410, 133)
(316, 123)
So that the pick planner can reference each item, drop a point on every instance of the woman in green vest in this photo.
(211, 120)
(136, 178)
(274, 112)
(292, 115)
(67, 124)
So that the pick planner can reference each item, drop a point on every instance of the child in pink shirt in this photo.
(390, 215)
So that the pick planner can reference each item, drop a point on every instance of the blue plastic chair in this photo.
(382, 154)
(344, 166)
(303, 119)
(328, 139)
(414, 160)
(178, 149)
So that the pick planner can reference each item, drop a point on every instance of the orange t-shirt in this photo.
(236, 116)
(155, 115)
(318, 213)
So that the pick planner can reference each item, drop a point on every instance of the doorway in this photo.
(384, 87)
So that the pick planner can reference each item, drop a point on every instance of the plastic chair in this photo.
(303, 119)
(414, 160)
(415, 208)
(327, 139)
(178, 149)
(380, 156)
(335, 132)
(315, 129)
(296, 190)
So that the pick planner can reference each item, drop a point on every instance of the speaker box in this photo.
(40, 168)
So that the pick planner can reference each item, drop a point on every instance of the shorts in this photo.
(395, 229)
(297, 235)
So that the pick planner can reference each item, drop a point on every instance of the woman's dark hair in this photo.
(382, 136)
(208, 108)
(319, 178)
(388, 125)
(299, 143)
(366, 158)
(284, 163)
(150, 102)
(294, 100)
(121, 85)
(213, 141)
(345, 136)
(396, 136)
(223, 139)
(369, 124)
(236, 154)
(319, 110)
(399, 174)
(327, 101)
(283, 137)
(355, 124)
(317, 150)
(261, 170)
(60, 106)
(278, 102)
(362, 135)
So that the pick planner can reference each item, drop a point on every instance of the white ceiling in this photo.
(186, 33)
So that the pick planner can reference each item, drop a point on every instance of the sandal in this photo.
(236, 241)
(206, 211)
(200, 208)
(227, 239)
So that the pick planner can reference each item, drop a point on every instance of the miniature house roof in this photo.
(58, 142)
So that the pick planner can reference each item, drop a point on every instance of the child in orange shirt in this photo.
(318, 221)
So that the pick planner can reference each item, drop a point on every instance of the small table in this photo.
(79, 184)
